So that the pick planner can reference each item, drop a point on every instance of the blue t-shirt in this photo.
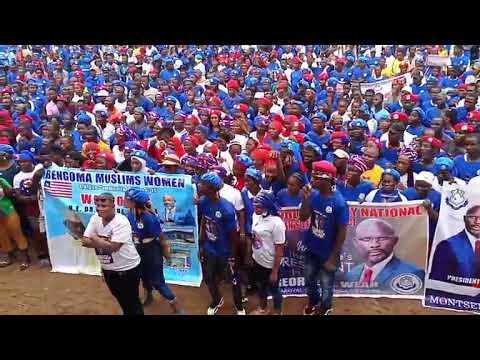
(220, 220)
(284, 199)
(148, 226)
(464, 169)
(249, 209)
(327, 214)
(351, 193)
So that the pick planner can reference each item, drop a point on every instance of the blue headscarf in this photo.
(294, 147)
(254, 174)
(266, 200)
(213, 179)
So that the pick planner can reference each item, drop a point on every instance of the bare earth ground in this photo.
(37, 291)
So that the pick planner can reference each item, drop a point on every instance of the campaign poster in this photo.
(453, 276)
(384, 254)
(69, 204)
(292, 281)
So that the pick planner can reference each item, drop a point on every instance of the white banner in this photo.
(385, 86)
(437, 60)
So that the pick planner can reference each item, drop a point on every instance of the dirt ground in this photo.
(37, 291)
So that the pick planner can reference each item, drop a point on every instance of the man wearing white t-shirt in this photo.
(110, 234)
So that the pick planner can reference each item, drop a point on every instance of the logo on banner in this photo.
(406, 284)
(457, 199)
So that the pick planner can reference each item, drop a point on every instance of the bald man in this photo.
(375, 240)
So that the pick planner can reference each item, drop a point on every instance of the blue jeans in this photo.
(315, 271)
(152, 269)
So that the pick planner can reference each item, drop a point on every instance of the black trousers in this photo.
(124, 287)
(214, 268)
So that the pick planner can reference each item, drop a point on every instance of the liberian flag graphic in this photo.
(58, 188)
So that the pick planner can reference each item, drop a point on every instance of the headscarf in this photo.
(211, 178)
(393, 172)
(206, 161)
(410, 152)
(254, 174)
(178, 147)
(243, 161)
(261, 154)
(357, 162)
(128, 133)
(108, 156)
(442, 163)
(188, 160)
(141, 156)
(266, 200)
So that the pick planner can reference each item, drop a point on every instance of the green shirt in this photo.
(6, 205)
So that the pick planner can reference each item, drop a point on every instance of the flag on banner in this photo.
(58, 188)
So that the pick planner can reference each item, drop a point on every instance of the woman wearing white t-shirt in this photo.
(268, 231)
(110, 234)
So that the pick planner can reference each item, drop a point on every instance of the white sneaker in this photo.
(241, 312)
(212, 310)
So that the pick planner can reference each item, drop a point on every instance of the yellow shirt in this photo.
(373, 175)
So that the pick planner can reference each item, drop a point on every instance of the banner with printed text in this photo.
(384, 254)
(453, 276)
(385, 86)
(69, 204)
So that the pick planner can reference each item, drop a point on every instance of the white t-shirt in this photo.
(119, 231)
(437, 187)
(119, 155)
(407, 138)
(121, 106)
(107, 133)
(233, 196)
(267, 232)
(21, 176)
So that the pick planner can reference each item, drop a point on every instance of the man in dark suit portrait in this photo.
(457, 259)
(375, 240)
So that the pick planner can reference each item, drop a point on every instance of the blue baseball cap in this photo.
(358, 123)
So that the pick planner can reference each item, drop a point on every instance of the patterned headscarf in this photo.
(357, 162)
(128, 133)
(189, 160)
(410, 152)
(206, 161)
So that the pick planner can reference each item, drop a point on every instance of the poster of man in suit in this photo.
(453, 279)
(385, 251)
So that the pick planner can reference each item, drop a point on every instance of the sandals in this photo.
(24, 266)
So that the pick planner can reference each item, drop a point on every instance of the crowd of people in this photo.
(257, 128)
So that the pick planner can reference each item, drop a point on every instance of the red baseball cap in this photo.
(325, 167)
(436, 143)
(462, 127)
(399, 116)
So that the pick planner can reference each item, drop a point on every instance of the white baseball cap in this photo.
(341, 154)
(426, 176)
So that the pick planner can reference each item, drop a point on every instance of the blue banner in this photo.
(69, 204)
